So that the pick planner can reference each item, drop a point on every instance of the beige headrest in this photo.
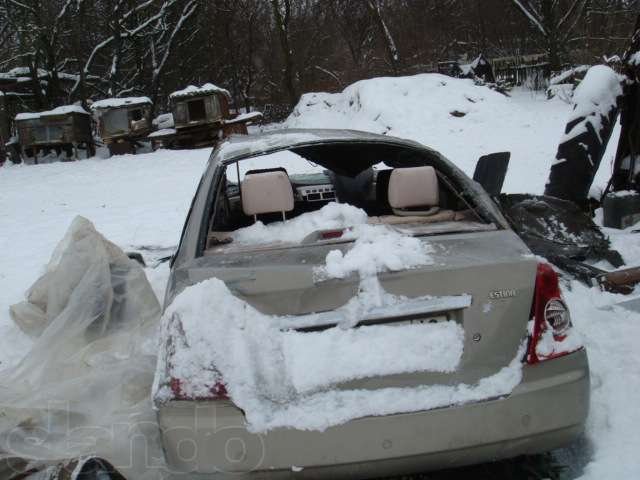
(266, 192)
(413, 187)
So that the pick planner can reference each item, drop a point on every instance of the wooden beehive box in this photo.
(196, 106)
(122, 118)
(68, 125)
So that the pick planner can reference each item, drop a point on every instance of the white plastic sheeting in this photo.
(84, 387)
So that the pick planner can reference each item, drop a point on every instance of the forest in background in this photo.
(268, 52)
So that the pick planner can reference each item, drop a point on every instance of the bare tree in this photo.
(390, 44)
(268, 52)
(553, 22)
(282, 18)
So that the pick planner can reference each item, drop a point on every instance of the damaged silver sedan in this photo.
(344, 304)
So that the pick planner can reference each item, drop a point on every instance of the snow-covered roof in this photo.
(119, 102)
(19, 71)
(56, 111)
(244, 117)
(24, 74)
(163, 132)
(192, 91)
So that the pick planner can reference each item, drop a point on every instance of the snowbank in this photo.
(393, 105)
(419, 108)
(610, 334)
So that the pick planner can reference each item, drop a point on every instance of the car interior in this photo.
(400, 196)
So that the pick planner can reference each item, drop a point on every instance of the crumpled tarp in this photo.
(84, 388)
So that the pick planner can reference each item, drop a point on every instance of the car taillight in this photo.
(217, 392)
(332, 234)
(551, 322)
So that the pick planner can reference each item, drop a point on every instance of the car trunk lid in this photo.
(481, 281)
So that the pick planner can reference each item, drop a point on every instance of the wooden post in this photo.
(627, 160)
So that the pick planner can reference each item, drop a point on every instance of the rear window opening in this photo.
(197, 110)
(285, 198)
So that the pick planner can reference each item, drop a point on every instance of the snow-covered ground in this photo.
(142, 200)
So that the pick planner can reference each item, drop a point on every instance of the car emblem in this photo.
(499, 294)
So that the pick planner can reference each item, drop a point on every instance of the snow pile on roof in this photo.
(50, 113)
(594, 99)
(119, 102)
(333, 216)
(192, 90)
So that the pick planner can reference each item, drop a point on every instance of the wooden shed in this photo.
(194, 106)
(201, 117)
(122, 122)
(63, 129)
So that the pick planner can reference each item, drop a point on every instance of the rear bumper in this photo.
(547, 410)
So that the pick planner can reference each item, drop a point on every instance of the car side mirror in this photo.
(491, 171)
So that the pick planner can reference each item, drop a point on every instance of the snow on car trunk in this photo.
(207, 325)
(288, 378)
(331, 216)
(301, 370)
